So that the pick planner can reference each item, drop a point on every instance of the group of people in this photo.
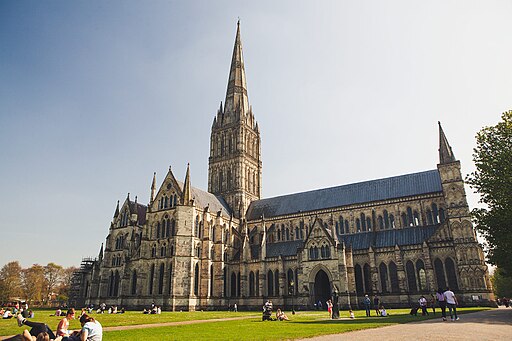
(505, 301)
(155, 309)
(379, 308)
(91, 329)
(443, 299)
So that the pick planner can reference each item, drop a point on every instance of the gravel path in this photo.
(493, 325)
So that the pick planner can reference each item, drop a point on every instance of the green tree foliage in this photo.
(493, 181)
(10, 281)
(53, 275)
(34, 283)
(502, 285)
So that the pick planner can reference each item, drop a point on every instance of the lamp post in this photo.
(291, 291)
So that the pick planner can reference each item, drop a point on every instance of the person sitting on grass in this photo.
(7, 314)
(91, 329)
(383, 312)
(63, 326)
(281, 316)
(351, 314)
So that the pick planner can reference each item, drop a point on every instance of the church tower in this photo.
(473, 276)
(235, 146)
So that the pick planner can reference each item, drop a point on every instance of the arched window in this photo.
(173, 227)
(117, 281)
(276, 286)
(404, 219)
(322, 252)
(170, 279)
(167, 228)
(211, 280)
(347, 229)
(291, 288)
(134, 282)
(358, 225)
(151, 278)
(410, 218)
(225, 282)
(153, 251)
(368, 223)
(158, 230)
(359, 280)
(270, 283)
(363, 222)
(439, 270)
(383, 272)
(278, 234)
(386, 219)
(441, 215)
(197, 226)
(430, 220)
(196, 280)
(392, 221)
(367, 278)
(393, 277)
(257, 283)
(381, 222)
(161, 280)
(297, 233)
(251, 283)
(435, 213)
(422, 275)
(221, 180)
(315, 252)
(238, 285)
(233, 284)
(451, 274)
(296, 281)
(411, 276)
(416, 218)
(175, 200)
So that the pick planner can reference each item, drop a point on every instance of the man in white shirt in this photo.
(451, 302)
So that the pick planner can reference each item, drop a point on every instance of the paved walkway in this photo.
(493, 325)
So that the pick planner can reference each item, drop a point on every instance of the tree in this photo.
(502, 285)
(34, 283)
(493, 181)
(10, 281)
(53, 274)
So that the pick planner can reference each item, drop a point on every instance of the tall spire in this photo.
(445, 151)
(116, 213)
(236, 93)
(153, 189)
(187, 193)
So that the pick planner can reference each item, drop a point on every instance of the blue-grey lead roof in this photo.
(361, 241)
(357, 193)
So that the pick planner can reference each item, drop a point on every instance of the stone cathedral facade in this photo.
(189, 249)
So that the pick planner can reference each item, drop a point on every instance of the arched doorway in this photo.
(322, 288)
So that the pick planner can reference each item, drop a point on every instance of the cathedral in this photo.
(190, 249)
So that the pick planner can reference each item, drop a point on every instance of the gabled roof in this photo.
(203, 199)
(140, 210)
(361, 192)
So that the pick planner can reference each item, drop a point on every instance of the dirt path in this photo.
(493, 325)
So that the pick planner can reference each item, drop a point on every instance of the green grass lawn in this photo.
(303, 324)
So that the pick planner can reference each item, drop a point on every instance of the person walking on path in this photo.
(423, 305)
(441, 300)
(451, 302)
(367, 303)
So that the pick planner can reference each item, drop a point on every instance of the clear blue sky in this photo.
(97, 95)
